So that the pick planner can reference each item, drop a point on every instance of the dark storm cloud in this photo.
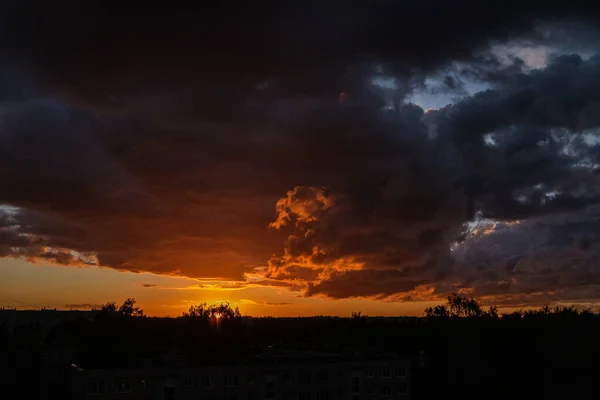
(159, 139)
(113, 55)
(538, 257)
(497, 152)
(372, 283)
(532, 121)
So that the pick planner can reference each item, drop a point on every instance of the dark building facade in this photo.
(46, 319)
(283, 377)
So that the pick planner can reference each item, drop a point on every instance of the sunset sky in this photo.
(299, 158)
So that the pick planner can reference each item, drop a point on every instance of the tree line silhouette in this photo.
(127, 309)
(469, 350)
(199, 312)
(464, 307)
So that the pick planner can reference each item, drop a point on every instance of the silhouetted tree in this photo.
(198, 312)
(204, 312)
(493, 312)
(109, 307)
(437, 311)
(458, 306)
(129, 309)
(358, 315)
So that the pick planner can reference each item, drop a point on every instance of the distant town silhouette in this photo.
(455, 347)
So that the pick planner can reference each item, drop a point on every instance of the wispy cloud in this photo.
(209, 284)
(263, 303)
(82, 305)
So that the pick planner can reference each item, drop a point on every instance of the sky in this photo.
(299, 158)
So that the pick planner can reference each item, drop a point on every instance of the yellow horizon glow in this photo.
(27, 285)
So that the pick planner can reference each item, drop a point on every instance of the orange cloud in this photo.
(303, 205)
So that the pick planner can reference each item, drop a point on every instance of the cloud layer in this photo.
(279, 150)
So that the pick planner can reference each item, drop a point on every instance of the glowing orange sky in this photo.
(301, 182)
(26, 285)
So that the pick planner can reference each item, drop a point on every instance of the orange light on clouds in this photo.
(32, 285)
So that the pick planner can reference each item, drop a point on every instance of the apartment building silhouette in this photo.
(278, 375)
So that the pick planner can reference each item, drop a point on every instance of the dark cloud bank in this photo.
(253, 144)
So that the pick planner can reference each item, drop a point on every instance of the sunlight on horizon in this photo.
(25, 285)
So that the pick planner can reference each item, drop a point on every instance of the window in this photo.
(323, 377)
(385, 373)
(122, 385)
(355, 397)
(370, 391)
(355, 385)
(231, 381)
(250, 378)
(93, 388)
(189, 382)
(206, 381)
(169, 393)
(323, 395)
(143, 384)
(286, 377)
(385, 391)
(370, 373)
(338, 392)
(402, 390)
(303, 396)
(270, 392)
(401, 372)
(231, 397)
